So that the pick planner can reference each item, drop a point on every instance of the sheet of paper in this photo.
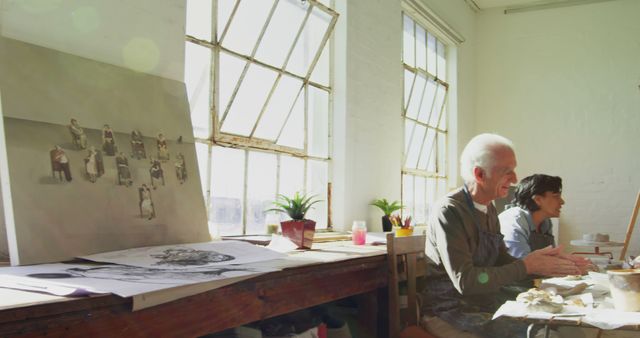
(121, 280)
(188, 256)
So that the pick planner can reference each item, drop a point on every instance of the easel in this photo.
(632, 223)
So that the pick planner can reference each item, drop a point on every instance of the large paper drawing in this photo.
(100, 158)
(125, 281)
(189, 256)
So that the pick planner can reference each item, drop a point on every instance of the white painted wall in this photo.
(145, 35)
(563, 85)
(368, 137)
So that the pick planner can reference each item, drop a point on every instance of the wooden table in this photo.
(254, 299)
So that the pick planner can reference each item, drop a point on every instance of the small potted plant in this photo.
(387, 208)
(403, 228)
(299, 230)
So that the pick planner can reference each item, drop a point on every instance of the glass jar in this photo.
(359, 232)
(272, 222)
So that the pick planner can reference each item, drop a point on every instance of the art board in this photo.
(99, 157)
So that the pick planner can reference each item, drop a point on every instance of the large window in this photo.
(424, 176)
(259, 84)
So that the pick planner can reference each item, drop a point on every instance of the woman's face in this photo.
(550, 203)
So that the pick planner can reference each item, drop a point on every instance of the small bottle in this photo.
(359, 232)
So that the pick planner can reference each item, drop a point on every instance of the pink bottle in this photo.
(359, 232)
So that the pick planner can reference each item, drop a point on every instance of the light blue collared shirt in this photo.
(516, 224)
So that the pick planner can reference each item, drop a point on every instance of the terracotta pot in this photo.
(400, 232)
(299, 232)
(386, 224)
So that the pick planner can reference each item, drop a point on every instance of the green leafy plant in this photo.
(386, 207)
(295, 207)
(397, 221)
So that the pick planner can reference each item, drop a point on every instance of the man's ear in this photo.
(479, 174)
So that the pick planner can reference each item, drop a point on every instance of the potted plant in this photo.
(387, 208)
(298, 229)
(403, 228)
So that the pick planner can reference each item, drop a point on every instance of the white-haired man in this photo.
(468, 260)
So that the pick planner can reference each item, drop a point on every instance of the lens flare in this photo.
(483, 278)
(141, 54)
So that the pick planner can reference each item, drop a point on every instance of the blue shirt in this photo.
(516, 224)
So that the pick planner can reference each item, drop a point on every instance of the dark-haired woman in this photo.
(527, 226)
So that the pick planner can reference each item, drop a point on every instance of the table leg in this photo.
(546, 331)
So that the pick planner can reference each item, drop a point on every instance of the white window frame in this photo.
(250, 143)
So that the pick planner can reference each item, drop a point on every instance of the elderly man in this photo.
(468, 260)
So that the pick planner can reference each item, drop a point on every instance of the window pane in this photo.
(248, 103)
(416, 96)
(318, 122)
(291, 175)
(443, 119)
(202, 154)
(408, 85)
(427, 149)
(432, 194)
(278, 108)
(293, 133)
(427, 101)
(431, 54)
(199, 19)
(261, 189)
(227, 190)
(321, 71)
(407, 195)
(230, 69)
(197, 77)
(225, 7)
(307, 45)
(442, 187)
(414, 146)
(408, 42)
(421, 48)
(317, 178)
(431, 165)
(442, 155)
(246, 25)
(282, 30)
(420, 211)
(408, 133)
(437, 105)
(442, 62)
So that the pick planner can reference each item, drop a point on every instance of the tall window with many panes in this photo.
(424, 112)
(259, 83)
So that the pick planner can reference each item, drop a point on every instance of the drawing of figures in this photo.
(181, 168)
(108, 142)
(78, 138)
(156, 172)
(124, 174)
(163, 150)
(134, 274)
(94, 165)
(146, 203)
(137, 145)
(60, 164)
(189, 256)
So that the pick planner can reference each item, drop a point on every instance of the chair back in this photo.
(403, 253)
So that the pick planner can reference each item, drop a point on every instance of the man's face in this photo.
(502, 175)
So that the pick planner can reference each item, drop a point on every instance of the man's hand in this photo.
(584, 264)
(551, 262)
